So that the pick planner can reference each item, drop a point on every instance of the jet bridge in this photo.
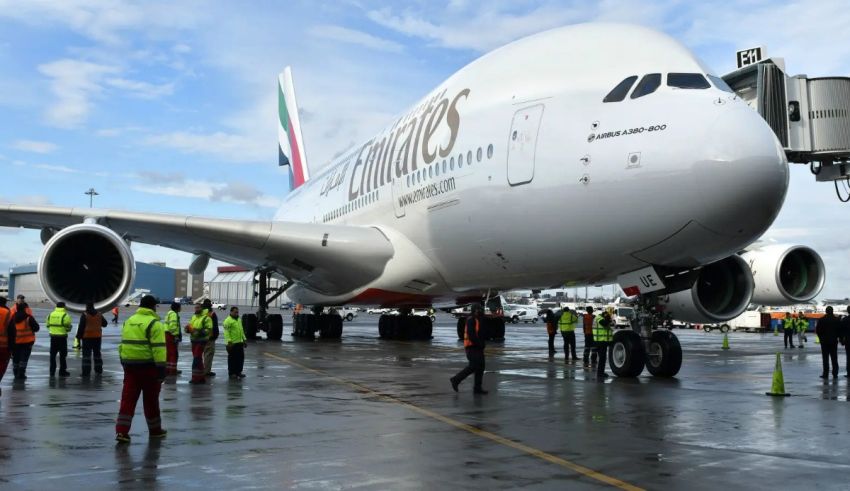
(810, 116)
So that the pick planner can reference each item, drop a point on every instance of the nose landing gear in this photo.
(650, 343)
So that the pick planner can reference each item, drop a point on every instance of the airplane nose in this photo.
(743, 177)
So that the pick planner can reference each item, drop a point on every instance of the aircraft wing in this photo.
(331, 259)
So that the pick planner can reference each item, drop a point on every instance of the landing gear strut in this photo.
(272, 324)
(650, 343)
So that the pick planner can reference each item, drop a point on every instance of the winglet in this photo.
(290, 144)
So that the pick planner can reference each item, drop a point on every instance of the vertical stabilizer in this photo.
(290, 144)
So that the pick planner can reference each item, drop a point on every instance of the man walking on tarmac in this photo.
(115, 315)
(90, 334)
(827, 330)
(844, 332)
(142, 353)
(59, 325)
(473, 343)
(789, 325)
(589, 355)
(550, 320)
(172, 337)
(199, 328)
(802, 327)
(209, 349)
(602, 337)
(234, 339)
(567, 325)
(5, 325)
(21, 334)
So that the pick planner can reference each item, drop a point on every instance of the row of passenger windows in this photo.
(364, 200)
(651, 81)
(446, 166)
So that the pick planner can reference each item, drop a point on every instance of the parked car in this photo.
(347, 313)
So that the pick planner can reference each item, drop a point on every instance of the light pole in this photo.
(92, 193)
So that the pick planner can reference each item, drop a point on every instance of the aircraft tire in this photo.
(249, 323)
(274, 327)
(665, 354)
(627, 357)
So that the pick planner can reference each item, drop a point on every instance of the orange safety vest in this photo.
(5, 315)
(588, 325)
(114, 310)
(466, 341)
(94, 326)
(23, 332)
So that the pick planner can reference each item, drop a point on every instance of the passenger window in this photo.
(647, 85)
(619, 92)
(720, 83)
(687, 81)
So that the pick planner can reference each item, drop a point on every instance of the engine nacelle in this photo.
(721, 292)
(87, 263)
(785, 274)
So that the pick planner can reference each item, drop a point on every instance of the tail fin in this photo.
(290, 144)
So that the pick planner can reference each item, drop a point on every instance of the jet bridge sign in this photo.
(750, 56)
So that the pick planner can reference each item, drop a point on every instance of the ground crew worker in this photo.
(59, 325)
(473, 343)
(802, 327)
(21, 339)
(845, 339)
(172, 336)
(200, 328)
(20, 302)
(567, 325)
(827, 330)
(789, 325)
(209, 349)
(5, 354)
(602, 337)
(234, 339)
(90, 335)
(115, 315)
(589, 355)
(550, 320)
(142, 353)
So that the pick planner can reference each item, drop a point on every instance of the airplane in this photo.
(657, 176)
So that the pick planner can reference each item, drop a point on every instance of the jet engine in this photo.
(785, 274)
(87, 263)
(722, 291)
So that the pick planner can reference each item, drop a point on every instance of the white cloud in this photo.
(226, 146)
(359, 38)
(229, 191)
(141, 89)
(34, 146)
(73, 83)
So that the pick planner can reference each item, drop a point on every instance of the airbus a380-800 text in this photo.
(588, 154)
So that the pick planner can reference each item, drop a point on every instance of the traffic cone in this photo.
(817, 339)
(725, 341)
(778, 387)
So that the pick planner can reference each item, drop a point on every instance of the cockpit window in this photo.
(647, 85)
(687, 81)
(720, 83)
(619, 92)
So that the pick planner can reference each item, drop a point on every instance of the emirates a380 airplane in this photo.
(588, 154)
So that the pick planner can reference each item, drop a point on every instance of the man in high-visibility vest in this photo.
(473, 343)
(172, 336)
(90, 334)
(209, 349)
(567, 325)
(59, 325)
(602, 337)
(142, 353)
(199, 328)
(589, 355)
(21, 335)
(234, 339)
(789, 326)
(802, 327)
(5, 354)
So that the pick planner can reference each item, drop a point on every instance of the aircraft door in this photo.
(398, 191)
(522, 144)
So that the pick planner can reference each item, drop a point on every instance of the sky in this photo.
(170, 107)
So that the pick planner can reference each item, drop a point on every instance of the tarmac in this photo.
(365, 413)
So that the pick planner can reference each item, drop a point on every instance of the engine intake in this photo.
(87, 263)
(721, 292)
(785, 274)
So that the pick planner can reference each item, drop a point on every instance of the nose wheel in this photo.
(648, 344)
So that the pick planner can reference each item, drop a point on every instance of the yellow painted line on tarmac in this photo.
(534, 452)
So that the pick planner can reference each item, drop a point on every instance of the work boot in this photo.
(481, 391)
(241, 375)
(65, 373)
(122, 438)
(601, 375)
(455, 383)
(158, 434)
(211, 374)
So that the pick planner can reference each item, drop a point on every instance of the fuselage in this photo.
(514, 172)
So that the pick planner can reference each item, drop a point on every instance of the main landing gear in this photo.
(405, 326)
(329, 326)
(272, 324)
(648, 344)
(493, 327)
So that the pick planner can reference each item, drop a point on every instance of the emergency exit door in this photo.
(522, 144)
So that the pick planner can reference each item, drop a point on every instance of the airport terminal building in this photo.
(234, 285)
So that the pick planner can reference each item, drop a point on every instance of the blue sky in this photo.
(170, 106)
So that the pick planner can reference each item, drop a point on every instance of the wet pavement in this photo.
(371, 414)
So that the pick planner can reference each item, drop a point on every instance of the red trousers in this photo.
(170, 354)
(5, 354)
(139, 380)
(198, 373)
